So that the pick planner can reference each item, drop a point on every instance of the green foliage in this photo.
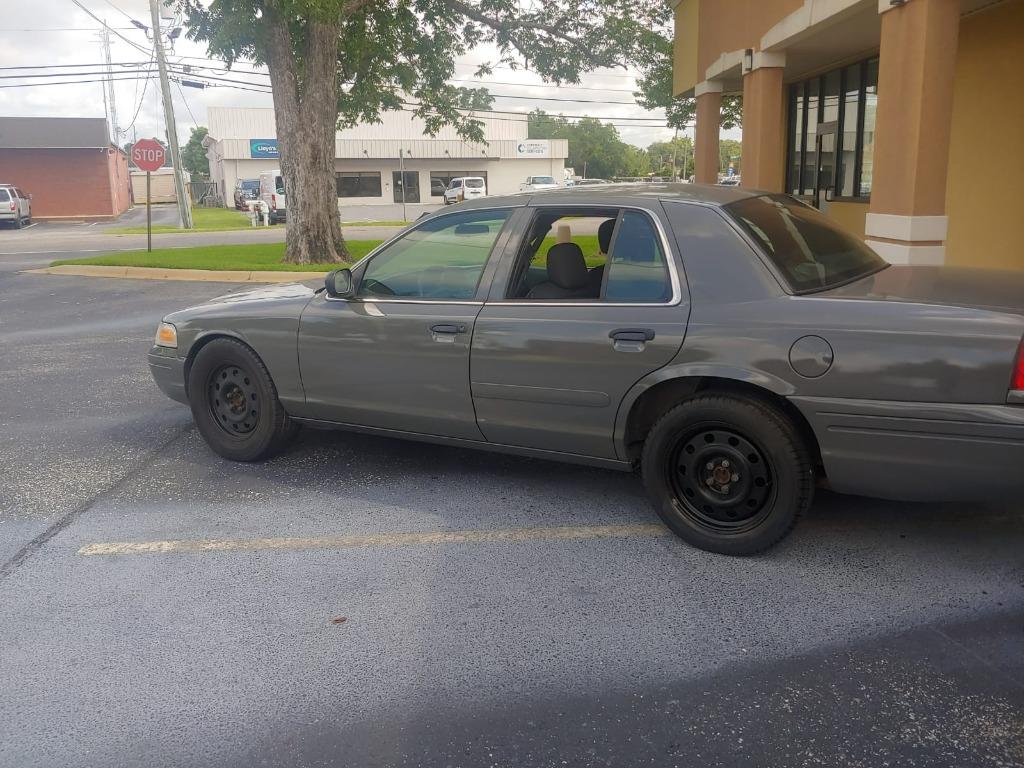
(730, 150)
(193, 154)
(662, 153)
(595, 149)
(654, 58)
(400, 54)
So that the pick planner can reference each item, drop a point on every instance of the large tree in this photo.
(654, 58)
(193, 154)
(595, 149)
(340, 62)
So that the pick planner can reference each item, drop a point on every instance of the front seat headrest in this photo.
(566, 266)
(604, 235)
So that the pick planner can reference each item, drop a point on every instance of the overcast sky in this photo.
(56, 32)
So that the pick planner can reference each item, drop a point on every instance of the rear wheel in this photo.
(728, 475)
(234, 403)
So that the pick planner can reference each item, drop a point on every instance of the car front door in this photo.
(396, 355)
(553, 358)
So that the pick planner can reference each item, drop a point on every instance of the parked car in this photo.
(272, 192)
(737, 347)
(246, 190)
(465, 188)
(729, 181)
(591, 182)
(15, 206)
(539, 184)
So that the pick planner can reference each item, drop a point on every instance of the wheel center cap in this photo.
(722, 474)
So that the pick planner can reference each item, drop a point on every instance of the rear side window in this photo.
(809, 249)
(637, 270)
(4, 196)
(279, 184)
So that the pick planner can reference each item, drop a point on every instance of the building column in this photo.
(709, 117)
(907, 222)
(764, 122)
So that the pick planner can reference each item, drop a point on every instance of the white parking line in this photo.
(34, 223)
(501, 536)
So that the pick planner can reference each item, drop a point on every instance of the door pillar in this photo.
(907, 219)
(709, 118)
(764, 123)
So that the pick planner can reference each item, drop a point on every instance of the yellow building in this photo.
(902, 119)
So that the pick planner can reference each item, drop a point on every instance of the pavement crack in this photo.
(142, 463)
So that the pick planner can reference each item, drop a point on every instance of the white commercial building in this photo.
(369, 159)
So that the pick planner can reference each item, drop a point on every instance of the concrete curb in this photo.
(193, 275)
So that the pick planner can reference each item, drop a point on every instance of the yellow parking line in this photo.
(507, 535)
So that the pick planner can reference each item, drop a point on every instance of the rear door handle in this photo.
(448, 328)
(632, 334)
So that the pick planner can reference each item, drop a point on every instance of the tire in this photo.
(727, 474)
(234, 403)
(18, 222)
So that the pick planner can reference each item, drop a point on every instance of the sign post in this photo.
(148, 156)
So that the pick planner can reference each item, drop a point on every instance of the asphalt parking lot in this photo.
(368, 602)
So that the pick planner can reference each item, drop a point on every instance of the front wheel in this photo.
(727, 474)
(234, 403)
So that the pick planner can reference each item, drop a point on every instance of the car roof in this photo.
(616, 194)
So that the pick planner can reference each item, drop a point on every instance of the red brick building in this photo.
(67, 164)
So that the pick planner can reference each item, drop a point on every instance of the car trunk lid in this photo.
(951, 286)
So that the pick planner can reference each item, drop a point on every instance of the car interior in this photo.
(567, 255)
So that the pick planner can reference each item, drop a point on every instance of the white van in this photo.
(272, 193)
(465, 188)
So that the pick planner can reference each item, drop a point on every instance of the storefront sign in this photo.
(533, 148)
(263, 148)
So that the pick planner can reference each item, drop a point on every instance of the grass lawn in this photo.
(225, 220)
(266, 256)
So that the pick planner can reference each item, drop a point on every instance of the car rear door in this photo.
(396, 355)
(550, 373)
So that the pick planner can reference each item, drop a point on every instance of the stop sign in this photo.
(148, 155)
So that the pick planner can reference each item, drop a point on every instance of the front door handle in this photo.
(448, 328)
(632, 334)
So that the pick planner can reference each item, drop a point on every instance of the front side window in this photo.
(611, 254)
(441, 259)
(809, 249)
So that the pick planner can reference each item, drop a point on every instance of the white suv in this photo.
(15, 206)
(537, 183)
(465, 188)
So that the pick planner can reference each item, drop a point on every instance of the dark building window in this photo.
(833, 114)
(358, 184)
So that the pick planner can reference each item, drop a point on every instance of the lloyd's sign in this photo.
(263, 148)
(533, 148)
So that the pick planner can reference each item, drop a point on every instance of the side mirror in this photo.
(339, 284)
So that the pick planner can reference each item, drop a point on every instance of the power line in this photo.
(67, 29)
(123, 13)
(185, 102)
(97, 18)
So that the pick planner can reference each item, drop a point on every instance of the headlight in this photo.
(167, 336)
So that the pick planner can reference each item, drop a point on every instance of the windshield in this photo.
(543, 180)
(809, 249)
(251, 186)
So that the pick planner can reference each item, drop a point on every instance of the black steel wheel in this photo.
(720, 479)
(234, 402)
(727, 474)
(233, 396)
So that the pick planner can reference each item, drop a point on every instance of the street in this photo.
(879, 633)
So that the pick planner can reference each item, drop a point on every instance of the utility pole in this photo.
(675, 147)
(109, 94)
(172, 132)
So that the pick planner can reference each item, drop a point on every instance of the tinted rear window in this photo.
(543, 179)
(474, 183)
(4, 197)
(279, 184)
(811, 251)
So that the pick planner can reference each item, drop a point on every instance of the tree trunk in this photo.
(305, 114)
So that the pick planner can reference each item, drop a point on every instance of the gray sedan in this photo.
(739, 348)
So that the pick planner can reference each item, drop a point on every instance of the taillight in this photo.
(12, 206)
(273, 201)
(1018, 369)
